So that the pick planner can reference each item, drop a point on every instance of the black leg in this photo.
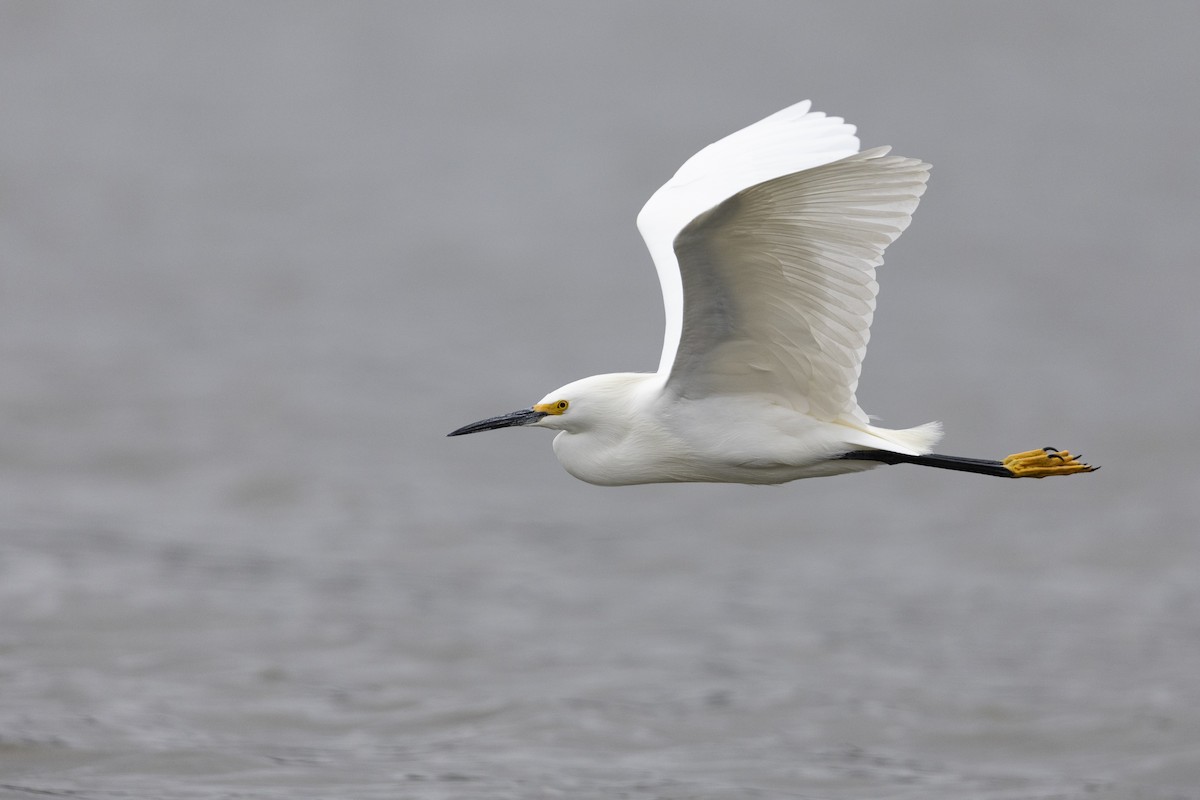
(979, 466)
(1031, 464)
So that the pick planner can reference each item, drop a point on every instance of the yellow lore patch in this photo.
(555, 408)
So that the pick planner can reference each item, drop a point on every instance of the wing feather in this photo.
(778, 282)
(786, 142)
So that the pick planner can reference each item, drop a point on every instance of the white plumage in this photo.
(787, 142)
(766, 244)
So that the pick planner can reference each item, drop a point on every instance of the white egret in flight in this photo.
(766, 244)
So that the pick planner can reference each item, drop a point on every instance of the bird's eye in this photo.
(561, 405)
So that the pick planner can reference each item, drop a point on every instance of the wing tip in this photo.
(883, 151)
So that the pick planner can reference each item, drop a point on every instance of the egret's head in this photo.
(574, 408)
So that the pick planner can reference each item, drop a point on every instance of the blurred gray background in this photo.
(257, 259)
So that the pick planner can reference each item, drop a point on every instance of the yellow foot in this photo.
(1044, 462)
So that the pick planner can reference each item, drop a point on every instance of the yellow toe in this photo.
(1044, 462)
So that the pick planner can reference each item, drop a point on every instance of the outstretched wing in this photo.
(778, 282)
(786, 142)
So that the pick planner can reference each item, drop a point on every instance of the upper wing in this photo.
(788, 141)
(778, 282)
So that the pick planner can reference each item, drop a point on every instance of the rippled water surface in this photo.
(256, 260)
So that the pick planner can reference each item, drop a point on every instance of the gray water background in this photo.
(258, 258)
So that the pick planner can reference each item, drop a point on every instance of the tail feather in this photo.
(910, 441)
(920, 440)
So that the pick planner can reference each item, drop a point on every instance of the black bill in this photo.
(523, 417)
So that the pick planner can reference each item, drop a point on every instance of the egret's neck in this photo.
(617, 428)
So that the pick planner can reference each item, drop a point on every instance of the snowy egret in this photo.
(766, 244)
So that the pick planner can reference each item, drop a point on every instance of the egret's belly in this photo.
(753, 454)
(608, 474)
